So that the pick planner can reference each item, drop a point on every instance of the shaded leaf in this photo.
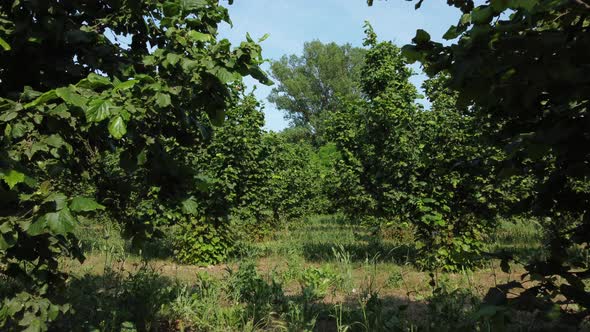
(44, 98)
(70, 96)
(62, 222)
(224, 75)
(58, 198)
(8, 240)
(94, 81)
(452, 33)
(4, 44)
(38, 227)
(190, 206)
(421, 37)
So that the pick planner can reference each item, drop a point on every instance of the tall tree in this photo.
(401, 163)
(315, 83)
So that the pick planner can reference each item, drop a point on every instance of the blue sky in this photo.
(290, 23)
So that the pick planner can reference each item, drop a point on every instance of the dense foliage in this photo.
(295, 187)
(314, 84)
(135, 112)
(522, 68)
(402, 164)
(233, 182)
(72, 100)
(254, 181)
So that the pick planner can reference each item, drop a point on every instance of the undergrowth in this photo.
(323, 274)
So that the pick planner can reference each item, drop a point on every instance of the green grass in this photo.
(317, 237)
(521, 237)
(320, 274)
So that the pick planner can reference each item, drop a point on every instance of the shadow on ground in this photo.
(360, 252)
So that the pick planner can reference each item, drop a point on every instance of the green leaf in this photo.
(117, 127)
(482, 15)
(125, 85)
(465, 19)
(163, 99)
(58, 198)
(62, 222)
(199, 36)
(55, 141)
(19, 130)
(204, 182)
(8, 130)
(70, 96)
(44, 98)
(5, 228)
(84, 204)
(53, 312)
(12, 177)
(263, 38)
(36, 325)
(411, 53)
(189, 65)
(142, 157)
(173, 58)
(8, 240)
(5, 117)
(224, 75)
(421, 37)
(190, 206)
(4, 44)
(38, 227)
(190, 5)
(452, 33)
(98, 110)
(94, 81)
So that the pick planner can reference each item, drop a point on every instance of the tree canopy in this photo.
(313, 84)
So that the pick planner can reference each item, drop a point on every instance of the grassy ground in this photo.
(322, 274)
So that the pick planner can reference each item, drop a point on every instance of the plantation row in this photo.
(158, 133)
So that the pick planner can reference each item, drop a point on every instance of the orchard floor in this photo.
(322, 274)
(341, 250)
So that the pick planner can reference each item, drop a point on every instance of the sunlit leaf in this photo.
(84, 204)
(117, 127)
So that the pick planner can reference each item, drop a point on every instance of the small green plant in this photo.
(299, 319)
(206, 306)
(316, 282)
(261, 297)
(203, 241)
(449, 310)
(344, 265)
(395, 280)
